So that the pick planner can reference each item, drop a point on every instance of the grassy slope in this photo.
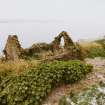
(93, 49)
(18, 66)
(31, 87)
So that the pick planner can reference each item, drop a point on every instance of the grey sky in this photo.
(53, 9)
(41, 20)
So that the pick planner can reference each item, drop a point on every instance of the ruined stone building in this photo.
(14, 51)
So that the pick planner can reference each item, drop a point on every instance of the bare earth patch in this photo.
(94, 77)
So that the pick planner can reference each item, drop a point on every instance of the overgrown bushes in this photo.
(31, 87)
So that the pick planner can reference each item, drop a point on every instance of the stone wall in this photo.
(14, 51)
(57, 41)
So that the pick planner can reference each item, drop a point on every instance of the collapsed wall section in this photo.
(14, 51)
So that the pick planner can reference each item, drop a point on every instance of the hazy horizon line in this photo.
(29, 20)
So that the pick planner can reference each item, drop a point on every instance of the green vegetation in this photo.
(98, 51)
(93, 49)
(16, 67)
(32, 86)
(102, 42)
(95, 52)
(94, 95)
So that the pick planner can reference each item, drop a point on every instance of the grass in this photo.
(101, 41)
(17, 67)
(93, 49)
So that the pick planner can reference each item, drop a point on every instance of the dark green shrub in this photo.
(31, 87)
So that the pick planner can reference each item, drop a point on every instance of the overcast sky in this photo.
(86, 10)
(41, 20)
